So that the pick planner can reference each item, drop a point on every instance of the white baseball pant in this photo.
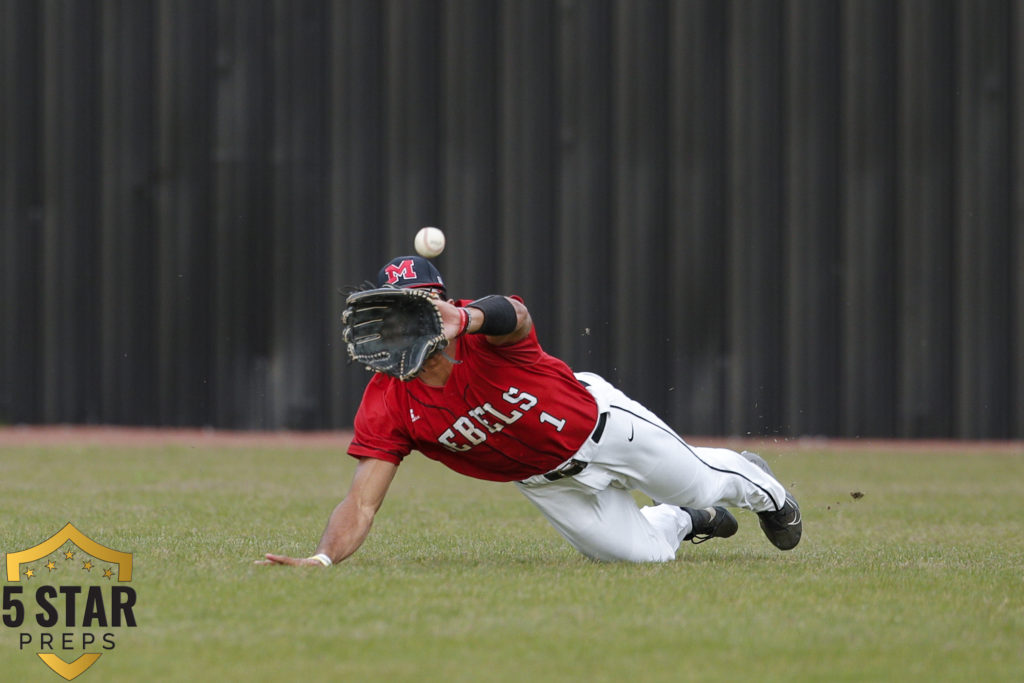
(595, 510)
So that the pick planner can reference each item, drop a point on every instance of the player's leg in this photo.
(726, 472)
(664, 467)
(648, 455)
(607, 525)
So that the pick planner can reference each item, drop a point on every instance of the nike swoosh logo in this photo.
(799, 517)
(630, 433)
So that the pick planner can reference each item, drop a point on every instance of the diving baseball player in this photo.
(466, 383)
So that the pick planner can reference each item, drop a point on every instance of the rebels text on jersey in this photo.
(505, 414)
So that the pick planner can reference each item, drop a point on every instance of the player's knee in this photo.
(607, 551)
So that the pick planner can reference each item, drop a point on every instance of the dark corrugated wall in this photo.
(789, 218)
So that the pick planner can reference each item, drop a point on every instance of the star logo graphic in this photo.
(69, 545)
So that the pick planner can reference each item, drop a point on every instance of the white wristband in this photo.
(322, 559)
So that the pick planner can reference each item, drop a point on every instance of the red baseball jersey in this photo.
(505, 414)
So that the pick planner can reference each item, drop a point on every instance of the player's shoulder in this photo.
(383, 387)
(383, 399)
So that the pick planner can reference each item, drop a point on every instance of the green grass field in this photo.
(921, 579)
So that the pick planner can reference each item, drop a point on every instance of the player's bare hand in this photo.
(451, 318)
(272, 559)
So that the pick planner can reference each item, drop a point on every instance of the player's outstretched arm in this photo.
(520, 328)
(510, 315)
(349, 524)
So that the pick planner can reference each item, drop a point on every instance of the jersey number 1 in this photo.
(552, 420)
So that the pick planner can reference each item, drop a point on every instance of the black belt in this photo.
(602, 420)
(574, 466)
(569, 469)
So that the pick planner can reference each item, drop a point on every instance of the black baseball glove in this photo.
(392, 330)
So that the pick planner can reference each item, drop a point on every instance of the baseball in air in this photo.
(429, 242)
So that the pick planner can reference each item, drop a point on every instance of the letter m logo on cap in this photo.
(402, 271)
(409, 271)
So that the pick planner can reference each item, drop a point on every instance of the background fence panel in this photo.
(982, 243)
(586, 255)
(813, 225)
(755, 198)
(1016, 222)
(127, 227)
(698, 242)
(529, 152)
(21, 212)
(186, 211)
(756, 217)
(640, 177)
(926, 184)
(868, 202)
(243, 216)
(70, 262)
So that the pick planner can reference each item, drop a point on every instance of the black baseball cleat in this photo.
(716, 522)
(784, 526)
